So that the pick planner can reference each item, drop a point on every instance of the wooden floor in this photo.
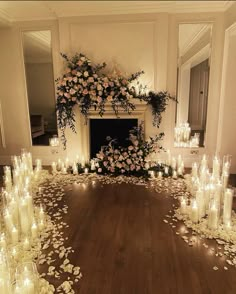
(124, 247)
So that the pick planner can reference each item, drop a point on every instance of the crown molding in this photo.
(5, 19)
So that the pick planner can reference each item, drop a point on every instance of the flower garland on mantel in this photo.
(84, 84)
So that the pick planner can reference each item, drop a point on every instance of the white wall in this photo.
(137, 42)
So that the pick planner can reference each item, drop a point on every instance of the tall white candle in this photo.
(213, 217)
(28, 286)
(194, 211)
(228, 201)
(225, 178)
(54, 167)
(14, 235)
(183, 206)
(26, 244)
(34, 231)
(75, 169)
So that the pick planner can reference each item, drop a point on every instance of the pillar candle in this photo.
(41, 213)
(225, 178)
(8, 221)
(34, 231)
(28, 286)
(41, 225)
(75, 169)
(213, 216)
(86, 170)
(228, 201)
(26, 244)
(24, 217)
(174, 176)
(159, 174)
(183, 206)
(14, 235)
(216, 167)
(194, 212)
(54, 167)
(201, 202)
(166, 170)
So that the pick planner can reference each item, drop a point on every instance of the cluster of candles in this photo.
(20, 221)
(210, 196)
(64, 165)
(182, 136)
(176, 163)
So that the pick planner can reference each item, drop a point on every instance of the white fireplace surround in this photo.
(79, 144)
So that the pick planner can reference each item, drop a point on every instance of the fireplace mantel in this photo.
(79, 143)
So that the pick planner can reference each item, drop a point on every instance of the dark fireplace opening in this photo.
(116, 128)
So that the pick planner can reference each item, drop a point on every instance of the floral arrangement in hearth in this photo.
(131, 160)
(84, 84)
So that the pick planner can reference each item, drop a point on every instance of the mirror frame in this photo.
(194, 21)
(52, 26)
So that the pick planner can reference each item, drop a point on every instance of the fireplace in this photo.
(114, 128)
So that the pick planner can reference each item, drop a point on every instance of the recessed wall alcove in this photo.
(114, 128)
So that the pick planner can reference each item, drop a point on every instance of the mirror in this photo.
(40, 85)
(194, 55)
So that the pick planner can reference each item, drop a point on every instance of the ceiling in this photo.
(13, 11)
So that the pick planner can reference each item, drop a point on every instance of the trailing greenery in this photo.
(84, 84)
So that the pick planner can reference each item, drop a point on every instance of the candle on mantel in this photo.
(194, 211)
(228, 201)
